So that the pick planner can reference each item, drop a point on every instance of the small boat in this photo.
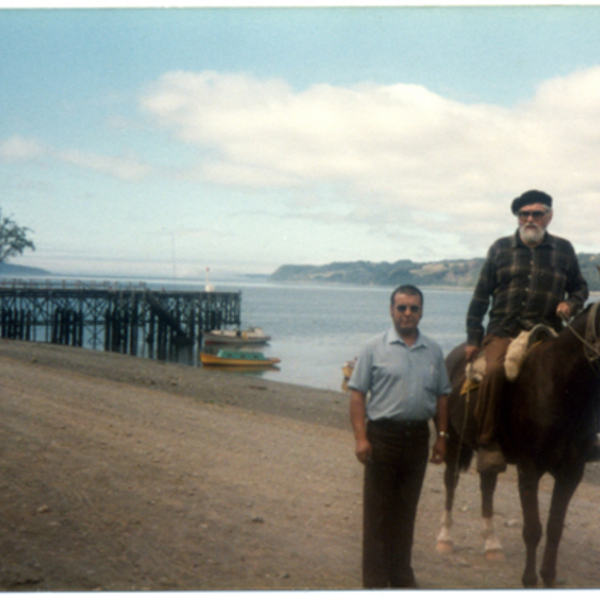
(237, 358)
(252, 335)
(347, 369)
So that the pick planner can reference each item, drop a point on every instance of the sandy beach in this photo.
(121, 473)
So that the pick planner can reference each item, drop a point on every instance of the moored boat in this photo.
(237, 358)
(252, 335)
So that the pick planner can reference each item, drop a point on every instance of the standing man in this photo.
(404, 374)
(531, 277)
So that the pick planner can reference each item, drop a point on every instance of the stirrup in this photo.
(490, 459)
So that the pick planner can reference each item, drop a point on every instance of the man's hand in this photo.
(358, 418)
(363, 450)
(563, 310)
(471, 352)
(438, 453)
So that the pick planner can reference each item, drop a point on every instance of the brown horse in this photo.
(547, 424)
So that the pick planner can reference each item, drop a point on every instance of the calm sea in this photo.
(315, 329)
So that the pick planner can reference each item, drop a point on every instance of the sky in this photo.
(160, 142)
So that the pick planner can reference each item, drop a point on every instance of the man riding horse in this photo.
(532, 278)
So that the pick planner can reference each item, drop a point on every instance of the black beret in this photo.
(530, 197)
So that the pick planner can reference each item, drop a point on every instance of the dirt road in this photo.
(119, 473)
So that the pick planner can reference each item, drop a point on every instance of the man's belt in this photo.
(399, 424)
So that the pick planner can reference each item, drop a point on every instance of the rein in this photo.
(591, 341)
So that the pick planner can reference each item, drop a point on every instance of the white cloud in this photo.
(18, 148)
(121, 168)
(399, 147)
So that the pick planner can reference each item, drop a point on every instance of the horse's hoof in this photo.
(494, 555)
(548, 581)
(529, 582)
(444, 547)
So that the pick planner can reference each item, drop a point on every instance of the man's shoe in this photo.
(594, 455)
(490, 459)
(406, 584)
(404, 579)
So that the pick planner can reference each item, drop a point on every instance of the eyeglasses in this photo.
(536, 214)
(414, 308)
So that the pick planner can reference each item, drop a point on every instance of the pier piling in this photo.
(132, 320)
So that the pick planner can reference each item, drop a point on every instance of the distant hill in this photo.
(454, 273)
(9, 270)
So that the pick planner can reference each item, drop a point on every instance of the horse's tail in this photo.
(460, 412)
(465, 456)
(460, 453)
(462, 427)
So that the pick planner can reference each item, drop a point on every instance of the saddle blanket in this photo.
(515, 355)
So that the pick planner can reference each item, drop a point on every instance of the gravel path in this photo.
(119, 473)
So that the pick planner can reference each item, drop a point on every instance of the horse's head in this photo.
(586, 327)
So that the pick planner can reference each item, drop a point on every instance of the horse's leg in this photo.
(529, 479)
(444, 543)
(564, 488)
(492, 546)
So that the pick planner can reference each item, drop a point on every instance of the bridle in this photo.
(591, 341)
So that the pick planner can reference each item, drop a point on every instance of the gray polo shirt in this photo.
(405, 382)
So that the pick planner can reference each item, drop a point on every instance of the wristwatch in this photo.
(443, 434)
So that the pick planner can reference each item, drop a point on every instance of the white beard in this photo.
(532, 236)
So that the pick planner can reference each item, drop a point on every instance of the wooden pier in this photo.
(129, 319)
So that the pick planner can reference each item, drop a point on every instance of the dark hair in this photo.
(409, 290)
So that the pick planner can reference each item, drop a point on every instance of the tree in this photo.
(13, 238)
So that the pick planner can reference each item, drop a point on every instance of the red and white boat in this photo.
(237, 337)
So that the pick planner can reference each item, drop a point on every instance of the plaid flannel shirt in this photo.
(525, 285)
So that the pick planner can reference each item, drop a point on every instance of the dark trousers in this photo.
(393, 481)
(491, 389)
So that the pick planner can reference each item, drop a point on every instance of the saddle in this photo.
(520, 346)
(515, 355)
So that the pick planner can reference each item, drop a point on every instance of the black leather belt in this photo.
(398, 424)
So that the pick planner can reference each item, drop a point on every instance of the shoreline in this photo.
(311, 405)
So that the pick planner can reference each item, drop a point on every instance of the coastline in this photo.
(207, 385)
